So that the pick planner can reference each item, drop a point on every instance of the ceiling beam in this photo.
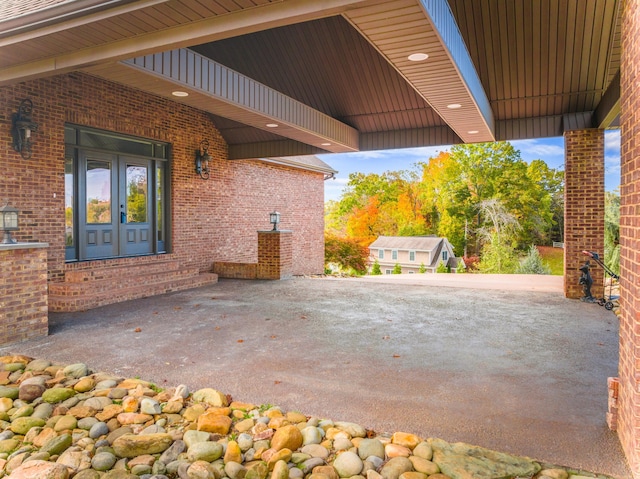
(444, 78)
(219, 90)
(206, 30)
(609, 107)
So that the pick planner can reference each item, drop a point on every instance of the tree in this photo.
(347, 253)
(498, 254)
(375, 270)
(397, 269)
(422, 269)
(532, 263)
(612, 231)
(442, 268)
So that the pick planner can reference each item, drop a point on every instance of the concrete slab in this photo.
(515, 369)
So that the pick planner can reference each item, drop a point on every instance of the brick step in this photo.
(120, 271)
(92, 299)
(127, 279)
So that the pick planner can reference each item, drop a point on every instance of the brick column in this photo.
(628, 424)
(583, 208)
(275, 255)
(23, 301)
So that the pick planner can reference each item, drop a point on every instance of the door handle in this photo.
(123, 217)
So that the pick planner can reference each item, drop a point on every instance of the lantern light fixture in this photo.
(8, 223)
(202, 160)
(22, 127)
(274, 219)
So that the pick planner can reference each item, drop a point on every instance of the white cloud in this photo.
(538, 148)
(612, 140)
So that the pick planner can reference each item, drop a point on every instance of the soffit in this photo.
(541, 65)
(543, 59)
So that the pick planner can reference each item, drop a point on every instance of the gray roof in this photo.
(307, 162)
(417, 243)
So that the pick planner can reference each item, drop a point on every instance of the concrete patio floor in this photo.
(519, 369)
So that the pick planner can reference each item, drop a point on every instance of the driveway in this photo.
(519, 369)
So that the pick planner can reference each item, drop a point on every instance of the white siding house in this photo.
(412, 253)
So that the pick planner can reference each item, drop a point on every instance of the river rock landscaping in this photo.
(65, 421)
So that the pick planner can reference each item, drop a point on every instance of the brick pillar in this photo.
(583, 208)
(628, 424)
(275, 255)
(23, 301)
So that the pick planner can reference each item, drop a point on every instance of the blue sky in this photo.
(551, 150)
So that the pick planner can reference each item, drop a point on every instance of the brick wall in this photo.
(214, 220)
(584, 208)
(628, 424)
(275, 258)
(23, 302)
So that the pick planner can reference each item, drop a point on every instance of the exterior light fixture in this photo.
(417, 57)
(274, 219)
(202, 160)
(8, 223)
(22, 126)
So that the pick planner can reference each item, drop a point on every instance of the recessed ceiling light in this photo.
(473, 132)
(454, 106)
(271, 125)
(179, 93)
(418, 57)
(325, 144)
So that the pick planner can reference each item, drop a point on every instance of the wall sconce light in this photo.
(202, 160)
(22, 127)
(274, 219)
(8, 223)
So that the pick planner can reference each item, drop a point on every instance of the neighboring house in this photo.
(410, 252)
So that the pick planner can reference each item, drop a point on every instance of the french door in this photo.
(115, 207)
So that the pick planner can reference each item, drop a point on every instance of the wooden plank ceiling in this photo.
(518, 69)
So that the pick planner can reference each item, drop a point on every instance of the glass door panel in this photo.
(98, 229)
(136, 234)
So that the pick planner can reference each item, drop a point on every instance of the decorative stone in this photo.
(348, 464)
(396, 466)
(56, 395)
(215, 423)
(57, 445)
(395, 450)
(40, 470)
(172, 453)
(210, 396)
(405, 439)
(233, 453)
(205, 451)
(280, 470)
(288, 437)
(423, 450)
(370, 447)
(192, 437)
(150, 406)
(23, 424)
(354, 430)
(554, 474)
(423, 465)
(311, 435)
(466, 461)
(75, 371)
(9, 392)
(235, 470)
(84, 385)
(67, 422)
(30, 392)
(131, 445)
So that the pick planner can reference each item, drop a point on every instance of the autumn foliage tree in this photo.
(346, 253)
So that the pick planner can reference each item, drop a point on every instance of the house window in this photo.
(387, 271)
(412, 255)
(381, 254)
(445, 255)
(411, 272)
(394, 254)
(115, 195)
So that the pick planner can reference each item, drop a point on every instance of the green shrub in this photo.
(397, 269)
(532, 263)
(375, 270)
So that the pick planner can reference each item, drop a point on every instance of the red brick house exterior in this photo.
(211, 221)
